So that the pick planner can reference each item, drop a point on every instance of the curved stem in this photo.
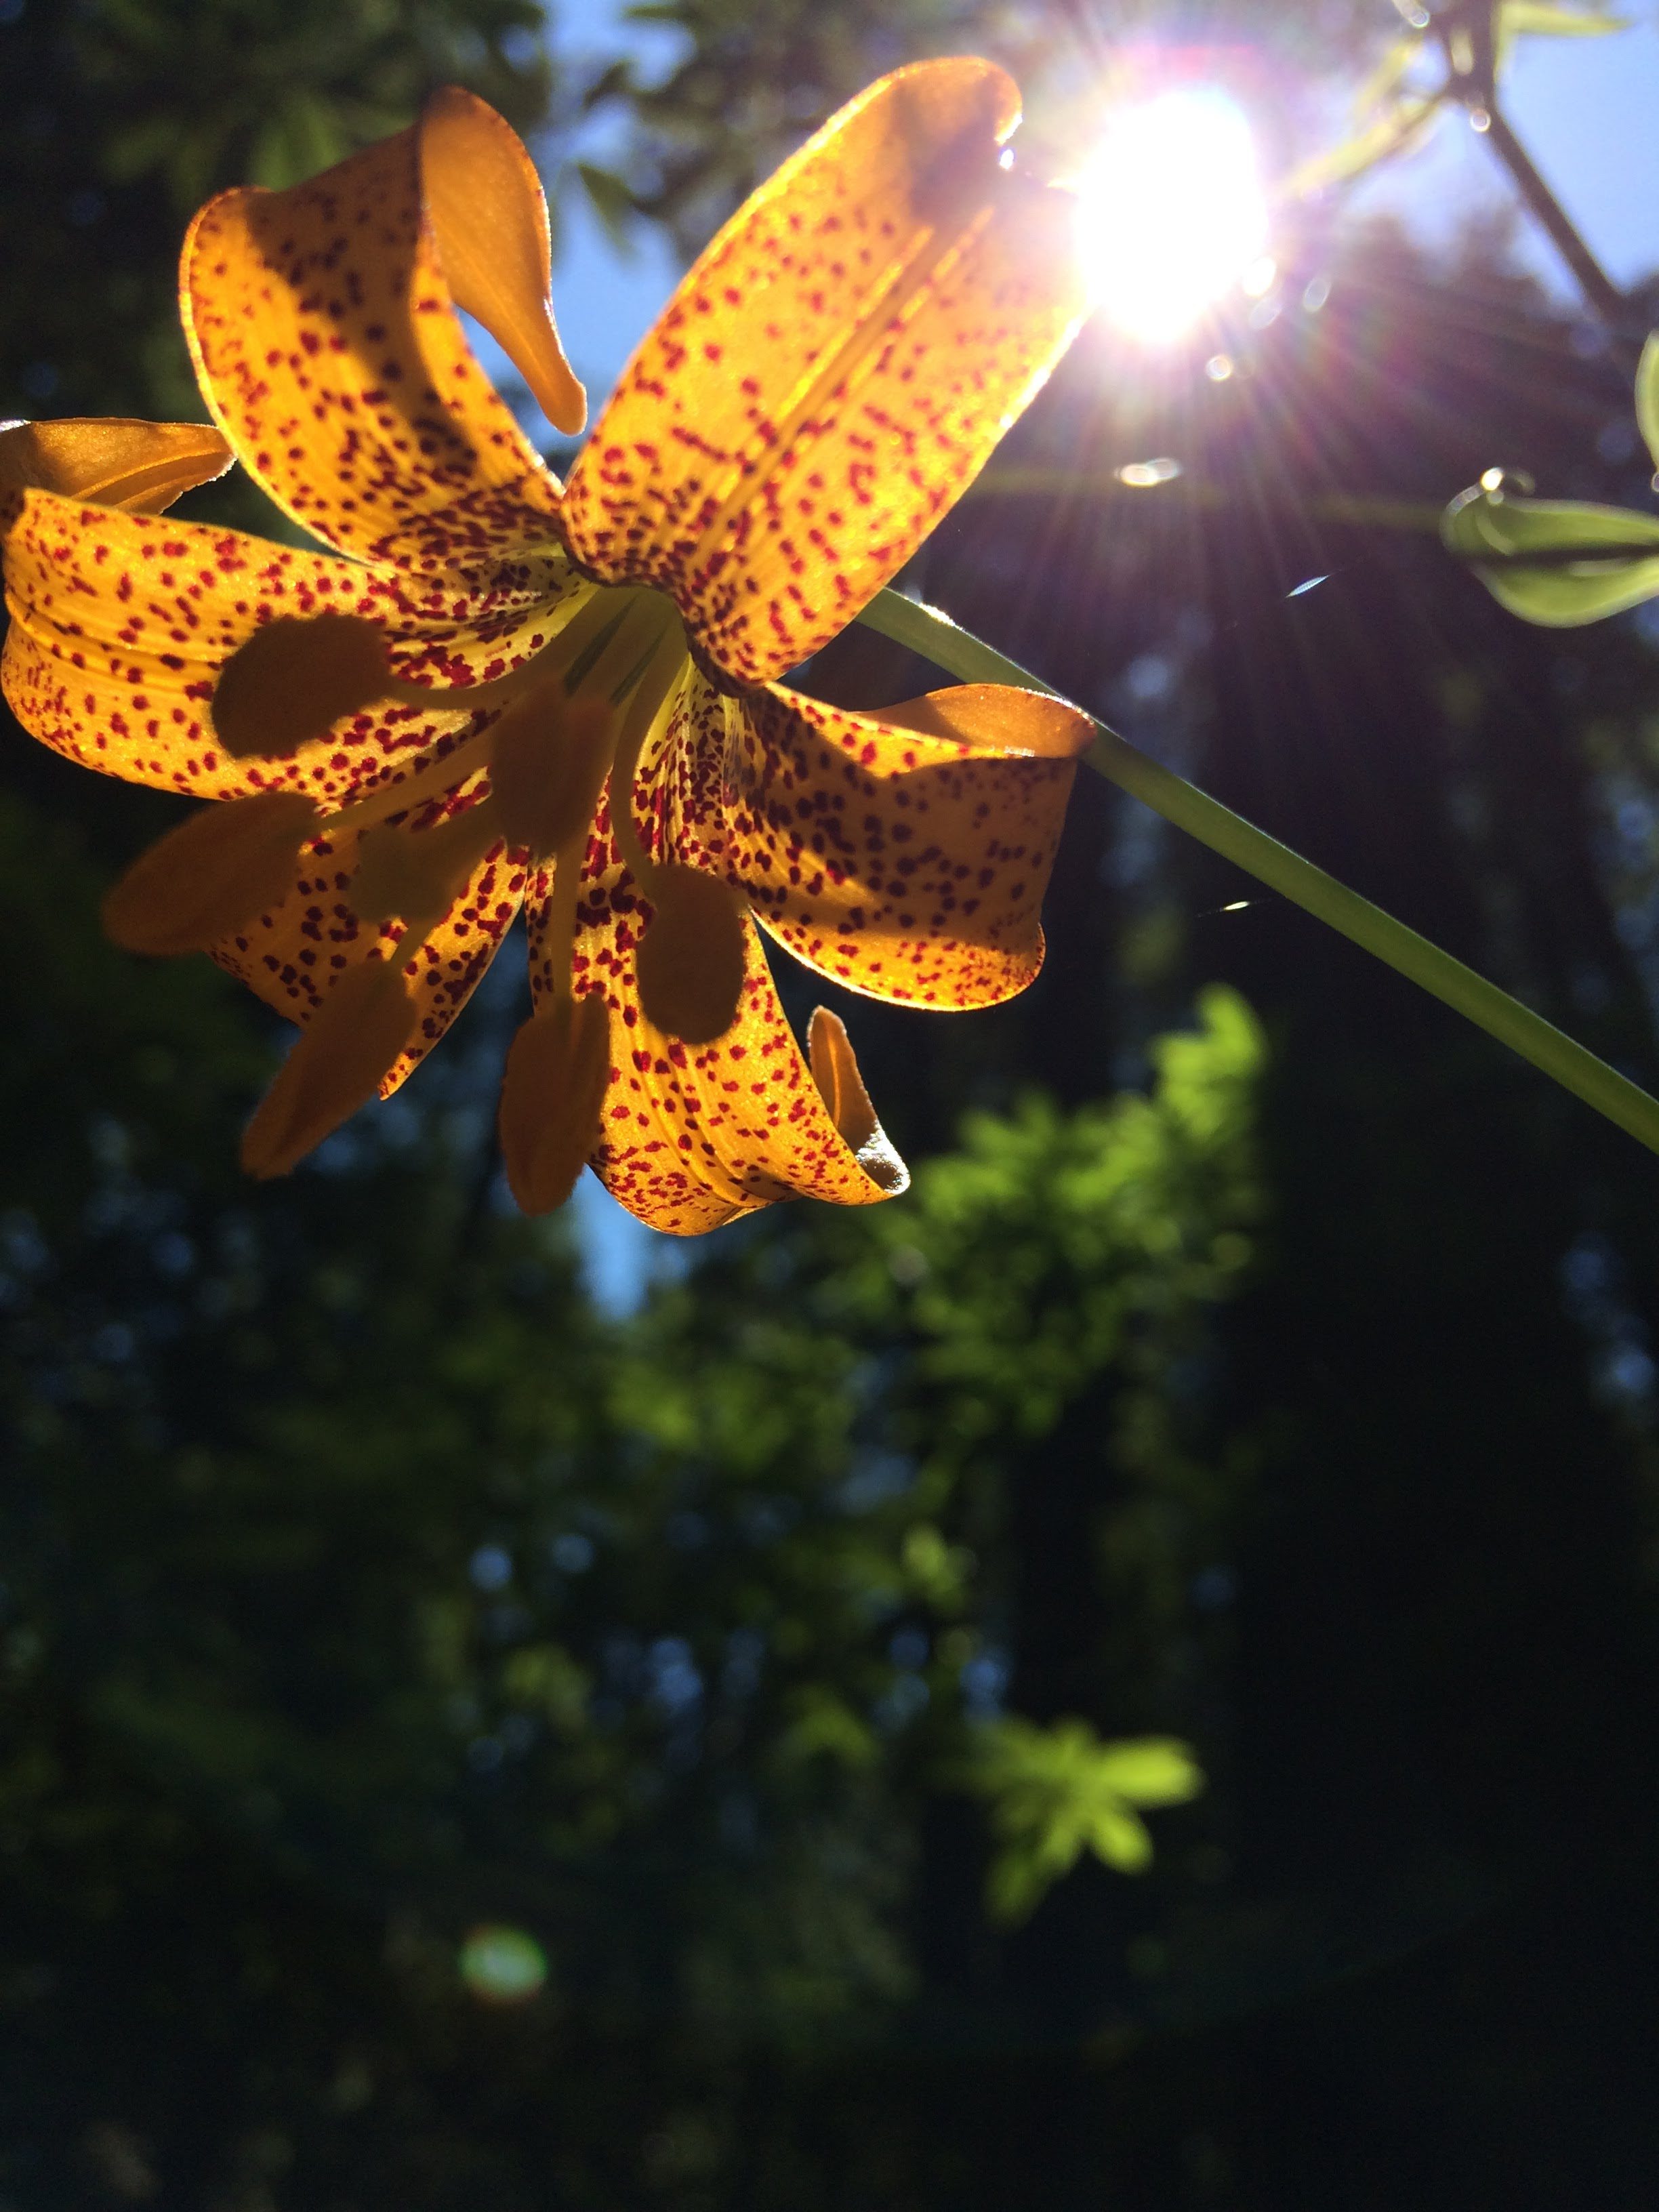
(1598, 287)
(1476, 89)
(926, 631)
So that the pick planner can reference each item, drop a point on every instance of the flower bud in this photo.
(212, 875)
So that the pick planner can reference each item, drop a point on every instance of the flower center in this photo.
(580, 711)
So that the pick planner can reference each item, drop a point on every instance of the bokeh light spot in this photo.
(504, 1965)
(1141, 475)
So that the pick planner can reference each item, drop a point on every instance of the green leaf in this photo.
(303, 137)
(1058, 1791)
(1581, 575)
(1119, 1836)
(1382, 80)
(1522, 18)
(1393, 133)
(1517, 19)
(611, 200)
(822, 1725)
(1154, 1770)
(1647, 396)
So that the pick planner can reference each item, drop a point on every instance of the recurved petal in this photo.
(834, 371)
(292, 954)
(121, 623)
(695, 1135)
(327, 344)
(484, 200)
(141, 466)
(903, 855)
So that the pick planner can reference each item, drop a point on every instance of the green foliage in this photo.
(350, 1552)
(1558, 563)
(1104, 1223)
(1457, 55)
(753, 76)
(376, 1608)
(123, 115)
(202, 92)
(1055, 1793)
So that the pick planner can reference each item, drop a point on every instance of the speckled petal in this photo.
(904, 854)
(114, 459)
(696, 1135)
(291, 955)
(327, 345)
(484, 201)
(120, 624)
(834, 371)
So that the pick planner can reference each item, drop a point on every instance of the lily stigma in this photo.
(496, 693)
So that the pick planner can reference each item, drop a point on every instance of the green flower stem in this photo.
(926, 631)
(1597, 287)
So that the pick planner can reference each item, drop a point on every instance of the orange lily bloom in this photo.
(495, 692)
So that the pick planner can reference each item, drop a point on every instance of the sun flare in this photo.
(1172, 211)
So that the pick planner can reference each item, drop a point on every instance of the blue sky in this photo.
(1587, 112)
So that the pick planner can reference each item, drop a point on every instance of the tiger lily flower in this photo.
(496, 693)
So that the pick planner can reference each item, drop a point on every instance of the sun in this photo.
(1172, 211)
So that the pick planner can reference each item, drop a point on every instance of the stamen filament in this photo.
(572, 641)
(411, 946)
(432, 781)
(571, 654)
(664, 673)
(560, 924)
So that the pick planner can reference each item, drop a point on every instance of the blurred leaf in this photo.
(1390, 119)
(823, 1726)
(1403, 126)
(1387, 74)
(1647, 396)
(611, 200)
(1154, 1770)
(1523, 18)
(1055, 1793)
(304, 137)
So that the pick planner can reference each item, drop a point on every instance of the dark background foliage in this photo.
(365, 1581)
